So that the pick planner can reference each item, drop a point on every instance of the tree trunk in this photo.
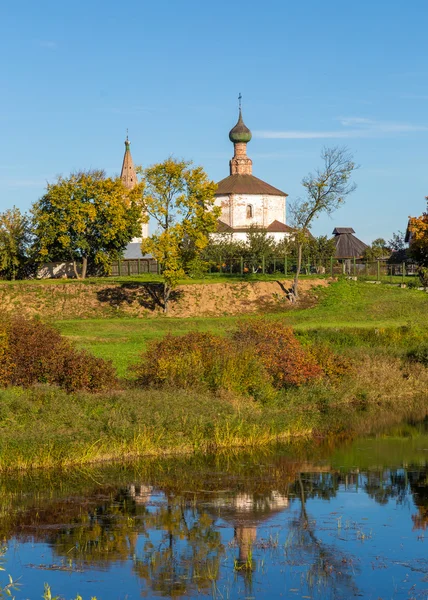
(166, 295)
(76, 272)
(84, 266)
(298, 267)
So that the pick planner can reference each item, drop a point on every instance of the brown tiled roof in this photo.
(275, 226)
(278, 226)
(246, 184)
(223, 227)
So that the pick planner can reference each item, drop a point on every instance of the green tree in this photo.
(87, 218)
(222, 248)
(377, 250)
(397, 245)
(180, 199)
(319, 250)
(14, 242)
(259, 244)
(326, 190)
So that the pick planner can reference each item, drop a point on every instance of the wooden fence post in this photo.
(242, 265)
(285, 265)
(263, 264)
(331, 266)
(378, 269)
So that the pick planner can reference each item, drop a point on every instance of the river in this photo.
(336, 519)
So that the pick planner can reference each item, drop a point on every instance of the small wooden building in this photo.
(347, 245)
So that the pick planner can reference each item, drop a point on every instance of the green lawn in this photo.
(341, 306)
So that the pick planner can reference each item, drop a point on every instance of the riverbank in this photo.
(44, 427)
(381, 331)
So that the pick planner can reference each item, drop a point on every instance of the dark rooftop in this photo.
(347, 245)
(339, 230)
(246, 184)
(275, 226)
(133, 251)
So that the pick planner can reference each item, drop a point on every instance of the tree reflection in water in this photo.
(169, 524)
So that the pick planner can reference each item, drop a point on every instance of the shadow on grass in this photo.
(147, 295)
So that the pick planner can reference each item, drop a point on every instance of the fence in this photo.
(137, 266)
(283, 265)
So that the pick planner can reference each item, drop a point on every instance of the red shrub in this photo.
(32, 352)
(284, 358)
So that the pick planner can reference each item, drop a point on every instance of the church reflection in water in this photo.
(178, 529)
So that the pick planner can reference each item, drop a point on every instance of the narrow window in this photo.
(249, 211)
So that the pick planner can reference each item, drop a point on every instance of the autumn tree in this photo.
(418, 230)
(86, 218)
(180, 199)
(14, 242)
(326, 190)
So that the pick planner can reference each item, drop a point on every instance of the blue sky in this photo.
(75, 75)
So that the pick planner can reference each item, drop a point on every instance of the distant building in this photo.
(246, 200)
(347, 244)
(129, 178)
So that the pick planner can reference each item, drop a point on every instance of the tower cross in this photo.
(239, 100)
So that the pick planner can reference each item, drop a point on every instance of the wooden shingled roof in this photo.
(347, 245)
(246, 184)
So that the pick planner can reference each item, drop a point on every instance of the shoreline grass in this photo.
(43, 427)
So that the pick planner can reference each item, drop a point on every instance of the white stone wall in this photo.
(265, 209)
(144, 234)
(241, 236)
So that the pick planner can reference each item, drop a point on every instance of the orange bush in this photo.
(32, 352)
(281, 353)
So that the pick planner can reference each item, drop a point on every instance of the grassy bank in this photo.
(345, 309)
(44, 427)
(373, 326)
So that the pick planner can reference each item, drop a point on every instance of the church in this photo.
(245, 200)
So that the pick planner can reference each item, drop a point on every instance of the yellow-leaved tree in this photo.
(180, 200)
(86, 218)
(418, 229)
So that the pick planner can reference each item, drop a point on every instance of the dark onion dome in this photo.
(240, 133)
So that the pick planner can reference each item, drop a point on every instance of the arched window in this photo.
(249, 211)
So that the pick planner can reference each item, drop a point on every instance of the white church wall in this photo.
(264, 209)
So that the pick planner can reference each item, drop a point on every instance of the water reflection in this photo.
(228, 526)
